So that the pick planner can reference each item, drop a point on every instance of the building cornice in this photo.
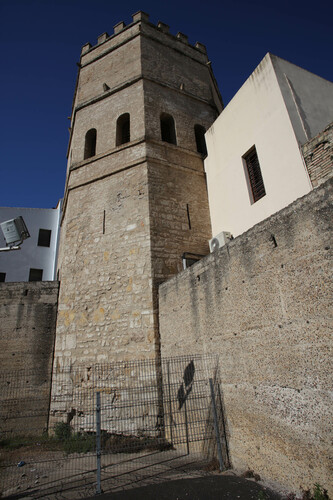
(147, 157)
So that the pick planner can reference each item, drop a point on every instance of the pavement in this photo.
(216, 486)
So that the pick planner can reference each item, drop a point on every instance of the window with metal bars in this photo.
(255, 179)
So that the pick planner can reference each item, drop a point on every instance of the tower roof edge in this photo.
(140, 16)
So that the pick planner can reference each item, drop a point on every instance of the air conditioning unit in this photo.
(219, 241)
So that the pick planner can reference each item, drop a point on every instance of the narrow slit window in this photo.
(199, 132)
(90, 143)
(168, 130)
(123, 129)
(188, 216)
(255, 180)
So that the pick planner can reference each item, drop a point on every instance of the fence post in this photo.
(170, 403)
(216, 425)
(98, 443)
(186, 429)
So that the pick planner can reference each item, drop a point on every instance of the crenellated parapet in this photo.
(140, 18)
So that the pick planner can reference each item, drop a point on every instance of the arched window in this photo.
(168, 131)
(199, 131)
(123, 129)
(90, 143)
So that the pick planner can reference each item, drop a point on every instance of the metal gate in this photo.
(116, 425)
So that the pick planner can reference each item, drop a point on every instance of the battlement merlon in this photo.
(141, 24)
(140, 16)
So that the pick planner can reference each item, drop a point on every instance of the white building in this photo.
(36, 260)
(254, 165)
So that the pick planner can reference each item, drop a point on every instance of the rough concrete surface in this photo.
(27, 331)
(263, 304)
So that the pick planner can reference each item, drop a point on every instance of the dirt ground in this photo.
(167, 475)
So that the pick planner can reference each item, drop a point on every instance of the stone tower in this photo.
(135, 197)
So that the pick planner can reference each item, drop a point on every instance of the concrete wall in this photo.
(28, 318)
(308, 98)
(17, 264)
(257, 115)
(318, 156)
(263, 303)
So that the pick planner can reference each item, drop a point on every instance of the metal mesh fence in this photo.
(108, 426)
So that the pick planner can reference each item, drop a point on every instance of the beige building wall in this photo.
(308, 98)
(275, 114)
(262, 303)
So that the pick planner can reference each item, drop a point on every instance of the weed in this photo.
(64, 439)
(79, 443)
(319, 493)
(17, 442)
(62, 431)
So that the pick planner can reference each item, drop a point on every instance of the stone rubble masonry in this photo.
(105, 310)
(263, 304)
(130, 211)
(28, 319)
(318, 156)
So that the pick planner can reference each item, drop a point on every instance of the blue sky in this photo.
(41, 40)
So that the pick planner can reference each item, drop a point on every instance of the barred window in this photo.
(254, 176)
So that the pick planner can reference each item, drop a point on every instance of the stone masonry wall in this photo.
(28, 318)
(318, 156)
(179, 217)
(127, 208)
(105, 300)
(263, 304)
(105, 310)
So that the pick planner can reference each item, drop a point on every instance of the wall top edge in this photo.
(141, 17)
